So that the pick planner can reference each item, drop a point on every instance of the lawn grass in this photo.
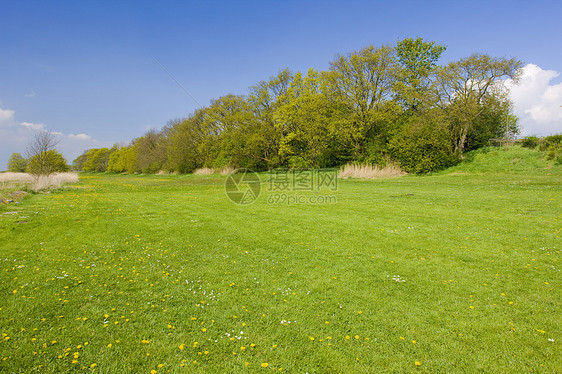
(455, 272)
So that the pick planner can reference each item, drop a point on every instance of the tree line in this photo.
(376, 105)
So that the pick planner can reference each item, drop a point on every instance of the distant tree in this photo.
(151, 152)
(123, 160)
(47, 163)
(17, 163)
(96, 159)
(79, 161)
(43, 158)
(184, 138)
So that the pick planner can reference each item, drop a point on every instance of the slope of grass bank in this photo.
(514, 159)
(155, 274)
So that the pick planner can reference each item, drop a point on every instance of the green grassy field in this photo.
(454, 272)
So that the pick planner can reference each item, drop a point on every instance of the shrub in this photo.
(530, 142)
(422, 148)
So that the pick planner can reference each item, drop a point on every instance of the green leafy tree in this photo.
(79, 161)
(151, 152)
(17, 163)
(123, 160)
(467, 87)
(306, 121)
(223, 142)
(417, 61)
(47, 163)
(42, 156)
(362, 82)
(184, 139)
(262, 136)
(96, 159)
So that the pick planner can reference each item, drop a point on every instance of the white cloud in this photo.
(6, 117)
(79, 136)
(31, 94)
(537, 101)
(33, 126)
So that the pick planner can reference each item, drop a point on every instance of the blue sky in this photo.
(87, 70)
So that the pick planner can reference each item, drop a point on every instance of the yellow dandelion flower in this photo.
(181, 346)
(417, 363)
(264, 365)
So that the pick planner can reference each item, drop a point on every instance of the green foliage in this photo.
(422, 146)
(96, 159)
(46, 163)
(362, 85)
(417, 59)
(79, 161)
(530, 141)
(372, 105)
(469, 88)
(150, 152)
(17, 163)
(123, 160)
(306, 119)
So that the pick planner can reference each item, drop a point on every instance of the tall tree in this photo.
(306, 120)
(262, 136)
(417, 60)
(363, 83)
(151, 152)
(222, 144)
(468, 86)
(184, 139)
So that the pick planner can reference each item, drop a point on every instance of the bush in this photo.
(422, 147)
(530, 142)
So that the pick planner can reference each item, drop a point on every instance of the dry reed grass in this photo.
(207, 171)
(368, 171)
(204, 171)
(37, 183)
